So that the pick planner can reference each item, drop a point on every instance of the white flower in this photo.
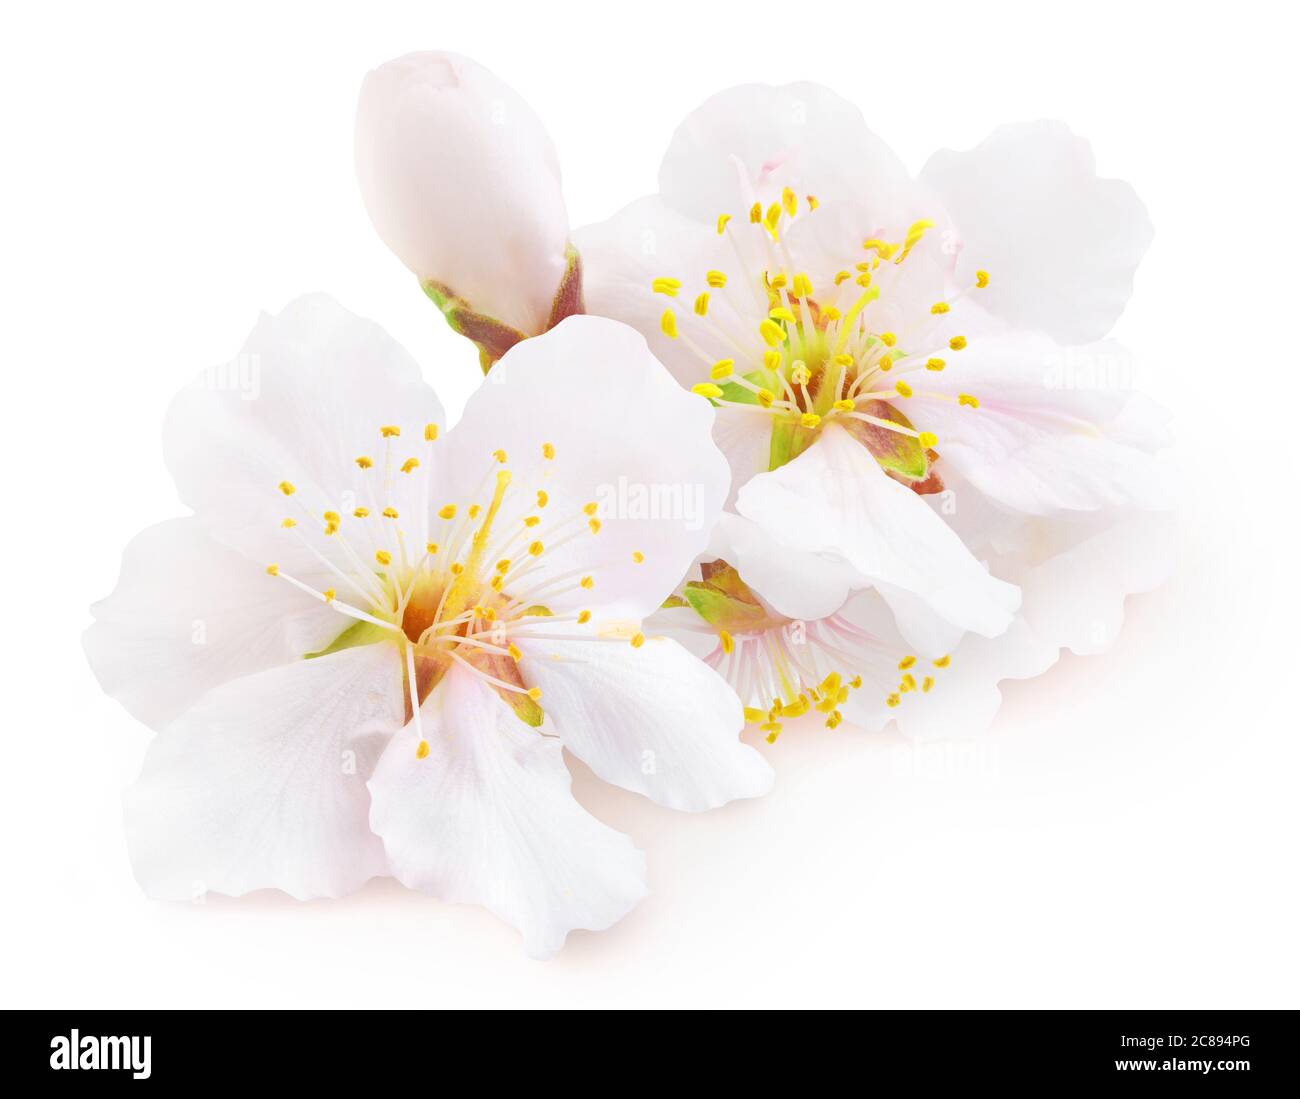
(785, 631)
(443, 611)
(462, 182)
(865, 361)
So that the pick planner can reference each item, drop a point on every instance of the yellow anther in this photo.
(422, 750)
(864, 279)
(716, 279)
(360, 513)
(668, 287)
(706, 389)
(927, 683)
(723, 368)
(906, 662)
(812, 202)
(390, 431)
(908, 683)
(531, 520)
(799, 372)
(753, 716)
(456, 568)
(831, 683)
(790, 202)
(594, 524)
(928, 439)
(534, 693)
(842, 277)
(981, 279)
(272, 570)
(781, 313)
(809, 420)
(882, 248)
(332, 527)
(479, 612)
(942, 662)
(834, 719)
(844, 405)
(287, 488)
(503, 566)
(430, 432)
(447, 511)
(668, 324)
(830, 313)
(722, 223)
(702, 305)
(430, 548)
(888, 339)
(802, 286)
(772, 217)
(329, 594)
(535, 549)
(584, 617)
(473, 510)
(795, 709)
(548, 451)
(967, 400)
(500, 456)
(957, 343)
(772, 333)
(842, 360)
(638, 639)
(383, 557)
(638, 557)
(914, 235)
(364, 462)
(855, 682)
(765, 397)
(410, 464)
(727, 641)
(935, 364)
(892, 700)
(542, 498)
(590, 508)
(390, 513)
(288, 523)
(902, 388)
(587, 582)
(756, 213)
(773, 730)
(330, 516)
(515, 652)
(886, 362)
(772, 359)
(939, 308)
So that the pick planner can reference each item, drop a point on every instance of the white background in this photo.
(1126, 833)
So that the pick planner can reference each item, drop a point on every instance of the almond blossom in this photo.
(365, 650)
(890, 357)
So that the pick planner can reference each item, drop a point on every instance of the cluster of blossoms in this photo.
(896, 467)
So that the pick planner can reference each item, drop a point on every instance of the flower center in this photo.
(806, 353)
(459, 583)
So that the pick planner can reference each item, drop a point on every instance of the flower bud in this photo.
(462, 182)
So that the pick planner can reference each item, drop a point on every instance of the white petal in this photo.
(462, 182)
(835, 499)
(745, 439)
(487, 818)
(322, 383)
(1039, 441)
(654, 720)
(1060, 243)
(795, 584)
(1075, 599)
(747, 143)
(647, 240)
(261, 785)
(625, 436)
(189, 614)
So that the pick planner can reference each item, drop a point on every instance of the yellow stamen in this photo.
(287, 488)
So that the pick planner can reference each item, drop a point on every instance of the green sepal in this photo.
(901, 454)
(359, 633)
